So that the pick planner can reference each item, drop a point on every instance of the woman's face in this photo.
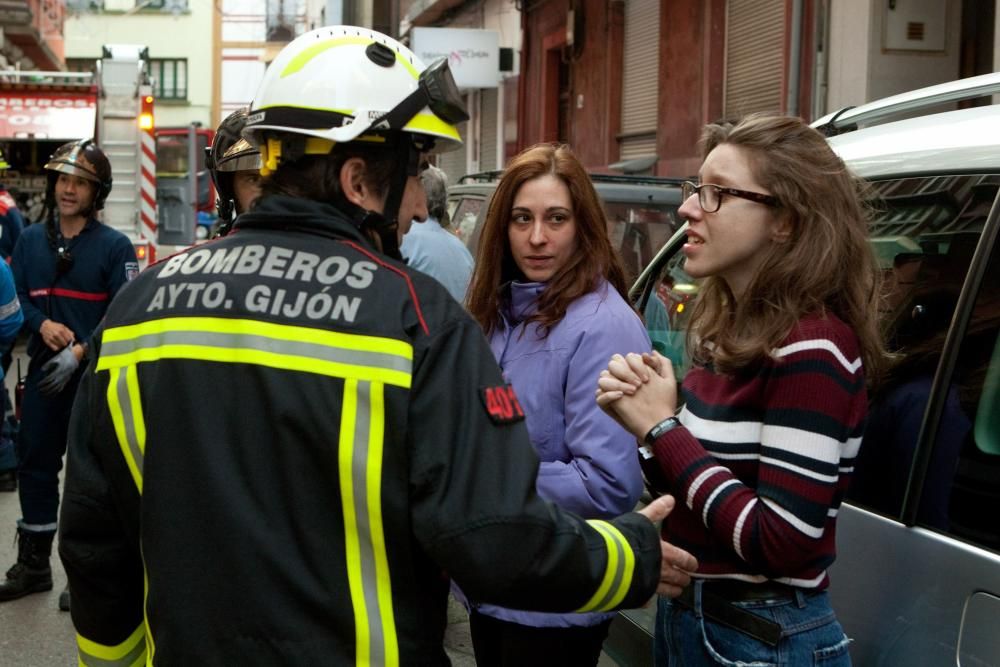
(731, 242)
(542, 228)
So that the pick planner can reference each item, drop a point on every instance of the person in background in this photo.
(783, 336)
(361, 446)
(67, 271)
(11, 220)
(549, 292)
(431, 247)
(11, 319)
(234, 165)
(11, 226)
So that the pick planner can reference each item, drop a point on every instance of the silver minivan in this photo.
(917, 577)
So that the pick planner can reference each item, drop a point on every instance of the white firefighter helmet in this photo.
(342, 83)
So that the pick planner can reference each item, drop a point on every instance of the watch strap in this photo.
(668, 424)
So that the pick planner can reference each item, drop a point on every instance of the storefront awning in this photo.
(31, 114)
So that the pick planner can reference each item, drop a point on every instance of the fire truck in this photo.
(39, 111)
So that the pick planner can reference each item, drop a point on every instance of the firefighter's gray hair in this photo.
(435, 183)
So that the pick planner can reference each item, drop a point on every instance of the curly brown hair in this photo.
(826, 265)
(595, 257)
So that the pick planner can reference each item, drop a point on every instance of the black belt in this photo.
(746, 591)
(721, 610)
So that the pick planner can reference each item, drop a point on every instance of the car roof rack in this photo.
(630, 179)
(481, 177)
(849, 118)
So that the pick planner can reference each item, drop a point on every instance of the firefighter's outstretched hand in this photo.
(57, 371)
(676, 565)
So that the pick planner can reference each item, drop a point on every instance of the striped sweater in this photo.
(764, 458)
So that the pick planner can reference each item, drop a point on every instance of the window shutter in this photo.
(640, 79)
(755, 56)
(488, 129)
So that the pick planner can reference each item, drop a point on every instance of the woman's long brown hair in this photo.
(826, 265)
(594, 259)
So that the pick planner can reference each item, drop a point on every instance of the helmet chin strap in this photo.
(385, 225)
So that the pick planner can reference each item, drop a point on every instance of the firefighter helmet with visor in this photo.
(342, 83)
(86, 160)
(230, 153)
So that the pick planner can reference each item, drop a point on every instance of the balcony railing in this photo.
(35, 27)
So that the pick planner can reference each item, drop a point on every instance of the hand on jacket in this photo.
(55, 334)
(676, 565)
(58, 370)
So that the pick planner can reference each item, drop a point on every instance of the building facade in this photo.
(490, 135)
(31, 35)
(178, 34)
(629, 84)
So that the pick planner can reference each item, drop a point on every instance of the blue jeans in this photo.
(810, 635)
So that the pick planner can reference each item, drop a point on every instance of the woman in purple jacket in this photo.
(549, 291)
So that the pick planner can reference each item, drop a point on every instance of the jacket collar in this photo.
(284, 213)
(522, 302)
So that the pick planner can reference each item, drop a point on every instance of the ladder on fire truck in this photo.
(125, 133)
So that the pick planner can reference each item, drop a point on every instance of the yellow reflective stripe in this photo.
(281, 346)
(129, 653)
(359, 463)
(150, 643)
(138, 421)
(288, 332)
(627, 568)
(618, 571)
(351, 546)
(376, 439)
(303, 58)
(124, 427)
(428, 123)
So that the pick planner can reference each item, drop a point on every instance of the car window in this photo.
(464, 216)
(666, 309)
(964, 473)
(925, 231)
(638, 231)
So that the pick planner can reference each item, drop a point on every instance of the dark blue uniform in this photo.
(103, 261)
(11, 223)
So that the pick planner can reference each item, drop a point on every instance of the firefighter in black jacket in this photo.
(287, 440)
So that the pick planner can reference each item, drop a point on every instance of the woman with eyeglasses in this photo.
(761, 442)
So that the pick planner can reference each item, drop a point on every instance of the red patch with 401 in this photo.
(501, 404)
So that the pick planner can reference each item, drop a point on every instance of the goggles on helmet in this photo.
(436, 89)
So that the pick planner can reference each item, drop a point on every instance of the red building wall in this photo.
(591, 84)
(692, 51)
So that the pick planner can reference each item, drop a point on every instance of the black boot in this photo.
(8, 480)
(31, 573)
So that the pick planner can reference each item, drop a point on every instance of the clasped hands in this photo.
(639, 391)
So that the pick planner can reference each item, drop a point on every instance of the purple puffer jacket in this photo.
(589, 464)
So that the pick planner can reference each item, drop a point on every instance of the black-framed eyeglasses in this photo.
(710, 195)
